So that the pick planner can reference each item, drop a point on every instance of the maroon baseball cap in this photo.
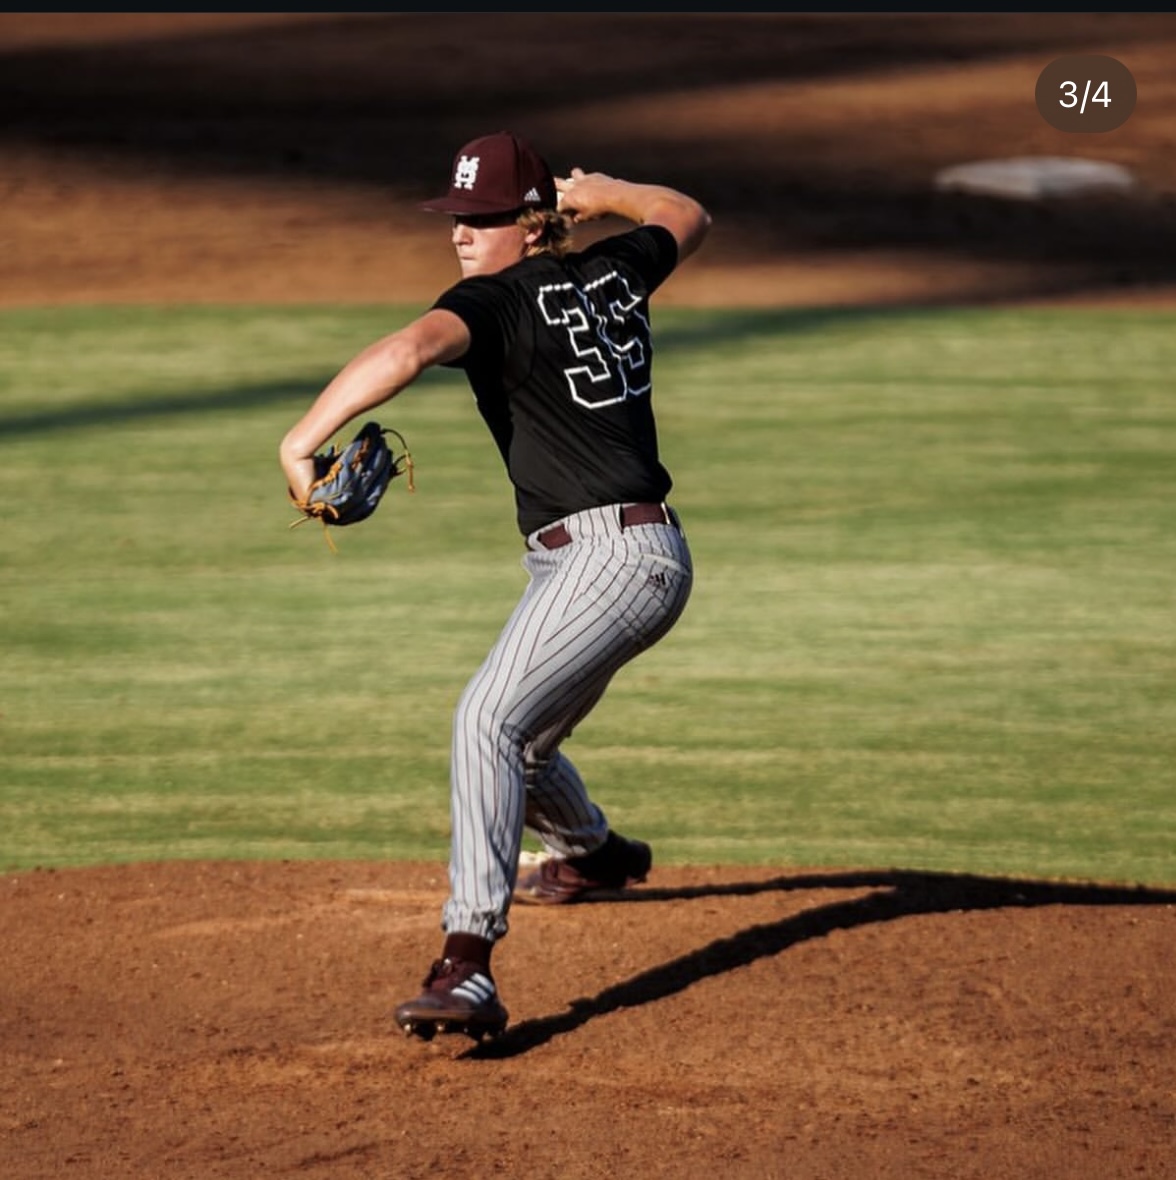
(497, 173)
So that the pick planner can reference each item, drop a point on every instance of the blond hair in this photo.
(555, 231)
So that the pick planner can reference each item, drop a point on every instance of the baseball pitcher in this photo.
(555, 344)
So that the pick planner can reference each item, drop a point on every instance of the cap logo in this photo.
(532, 195)
(466, 172)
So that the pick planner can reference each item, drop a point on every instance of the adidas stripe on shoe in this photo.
(459, 997)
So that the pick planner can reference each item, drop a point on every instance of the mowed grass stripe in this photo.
(932, 625)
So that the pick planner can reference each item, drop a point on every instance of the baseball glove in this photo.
(349, 484)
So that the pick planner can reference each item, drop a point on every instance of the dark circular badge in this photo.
(1086, 93)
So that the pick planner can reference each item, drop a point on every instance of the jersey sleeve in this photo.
(481, 304)
(651, 251)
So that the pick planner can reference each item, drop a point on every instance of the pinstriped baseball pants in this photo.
(589, 608)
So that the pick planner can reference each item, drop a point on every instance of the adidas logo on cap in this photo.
(532, 195)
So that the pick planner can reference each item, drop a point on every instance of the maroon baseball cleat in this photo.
(459, 997)
(617, 864)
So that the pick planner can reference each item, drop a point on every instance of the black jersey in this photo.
(560, 364)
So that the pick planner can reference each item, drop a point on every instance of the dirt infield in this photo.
(193, 1020)
(279, 158)
(232, 1020)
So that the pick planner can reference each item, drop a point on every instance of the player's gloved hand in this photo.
(349, 484)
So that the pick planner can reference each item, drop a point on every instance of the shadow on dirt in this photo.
(897, 894)
(379, 101)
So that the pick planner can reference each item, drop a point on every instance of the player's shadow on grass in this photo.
(896, 894)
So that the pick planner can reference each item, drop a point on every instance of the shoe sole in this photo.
(426, 1028)
(596, 893)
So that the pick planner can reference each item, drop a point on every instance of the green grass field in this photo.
(932, 624)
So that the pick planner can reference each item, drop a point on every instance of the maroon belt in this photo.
(631, 514)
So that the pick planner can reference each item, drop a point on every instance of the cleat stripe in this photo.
(478, 989)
